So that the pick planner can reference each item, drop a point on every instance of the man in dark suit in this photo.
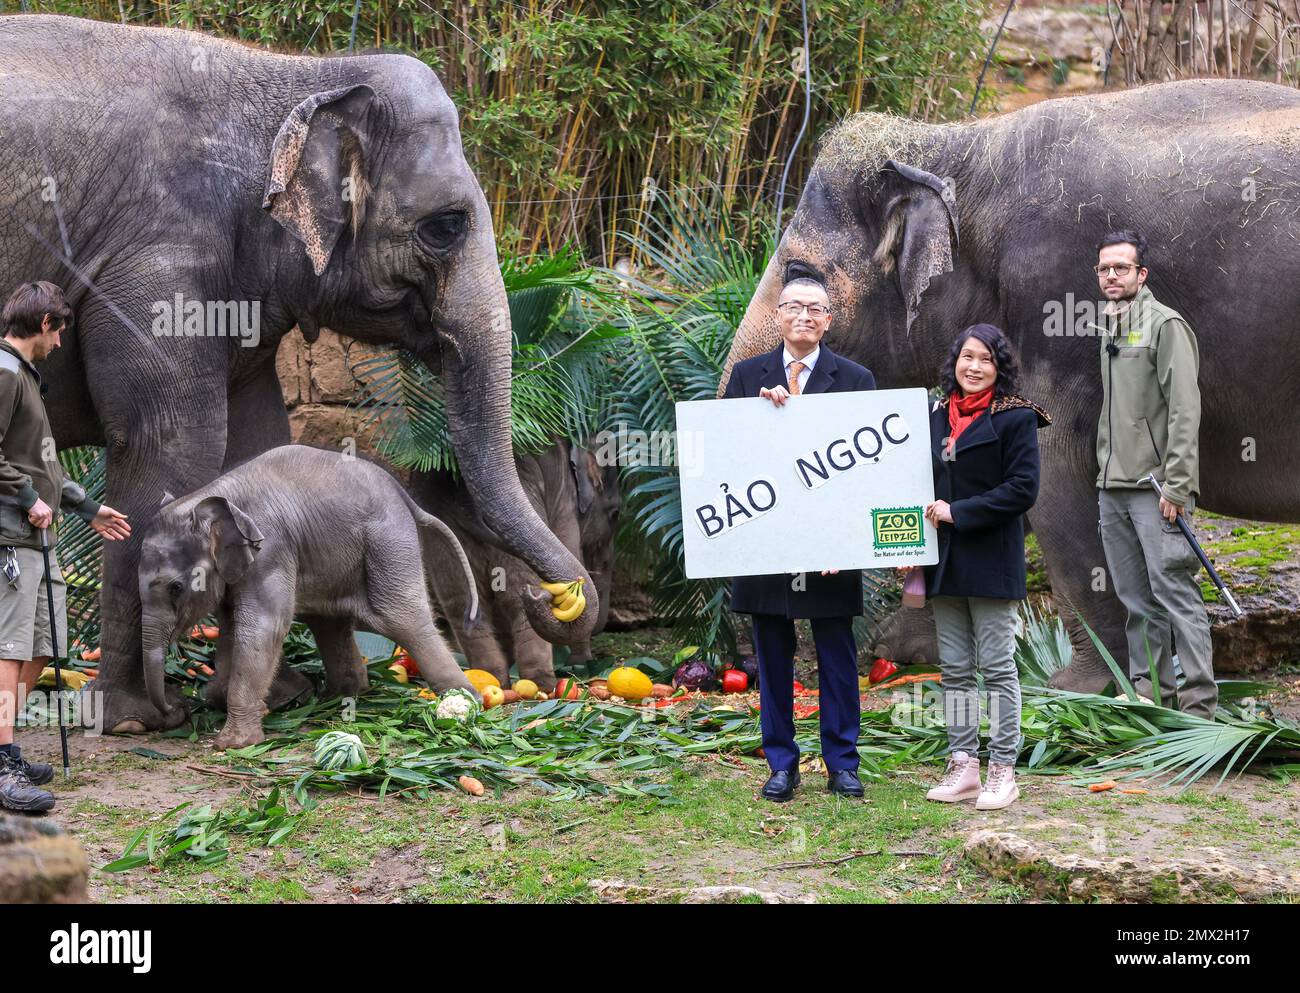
(831, 600)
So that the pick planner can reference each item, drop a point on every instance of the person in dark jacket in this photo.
(801, 364)
(32, 484)
(984, 444)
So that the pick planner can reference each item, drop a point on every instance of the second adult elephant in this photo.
(920, 230)
(579, 500)
(210, 197)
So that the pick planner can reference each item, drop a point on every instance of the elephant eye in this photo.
(174, 589)
(801, 270)
(443, 230)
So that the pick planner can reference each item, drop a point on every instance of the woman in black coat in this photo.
(984, 443)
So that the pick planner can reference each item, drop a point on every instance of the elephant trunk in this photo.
(758, 331)
(154, 643)
(474, 327)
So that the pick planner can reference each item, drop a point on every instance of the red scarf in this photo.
(964, 409)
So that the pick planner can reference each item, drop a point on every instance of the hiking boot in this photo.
(961, 780)
(39, 773)
(17, 791)
(1000, 790)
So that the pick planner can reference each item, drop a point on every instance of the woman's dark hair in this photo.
(1004, 358)
(27, 307)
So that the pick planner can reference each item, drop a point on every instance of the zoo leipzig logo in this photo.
(897, 527)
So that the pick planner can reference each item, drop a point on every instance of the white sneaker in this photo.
(961, 780)
(1000, 790)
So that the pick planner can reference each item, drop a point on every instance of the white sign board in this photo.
(828, 481)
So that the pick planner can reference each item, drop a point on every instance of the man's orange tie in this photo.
(795, 369)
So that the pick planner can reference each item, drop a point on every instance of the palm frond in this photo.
(677, 330)
(80, 549)
(559, 380)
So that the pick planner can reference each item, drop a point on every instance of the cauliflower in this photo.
(458, 704)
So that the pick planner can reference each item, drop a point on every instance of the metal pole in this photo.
(1196, 547)
(54, 646)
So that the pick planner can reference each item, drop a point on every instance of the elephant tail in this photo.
(429, 525)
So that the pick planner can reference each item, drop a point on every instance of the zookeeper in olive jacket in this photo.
(1150, 423)
(801, 364)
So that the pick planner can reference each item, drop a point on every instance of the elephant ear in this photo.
(585, 477)
(921, 232)
(235, 538)
(317, 181)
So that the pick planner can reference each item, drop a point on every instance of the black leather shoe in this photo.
(39, 773)
(845, 782)
(780, 786)
(17, 791)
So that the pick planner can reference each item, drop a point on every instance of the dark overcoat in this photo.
(990, 482)
(822, 596)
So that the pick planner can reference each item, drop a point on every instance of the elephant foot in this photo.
(1082, 675)
(214, 695)
(122, 707)
(289, 688)
(351, 685)
(238, 737)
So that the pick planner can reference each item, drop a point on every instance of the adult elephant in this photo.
(198, 199)
(579, 499)
(920, 230)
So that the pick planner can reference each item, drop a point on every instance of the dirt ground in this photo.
(519, 846)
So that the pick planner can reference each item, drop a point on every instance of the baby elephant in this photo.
(295, 532)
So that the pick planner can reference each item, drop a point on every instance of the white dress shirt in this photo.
(808, 361)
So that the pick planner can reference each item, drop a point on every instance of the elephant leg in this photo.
(1066, 523)
(288, 688)
(398, 605)
(218, 687)
(345, 671)
(481, 645)
(255, 657)
(419, 636)
(256, 419)
(534, 656)
(161, 421)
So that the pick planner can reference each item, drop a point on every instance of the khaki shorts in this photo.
(25, 611)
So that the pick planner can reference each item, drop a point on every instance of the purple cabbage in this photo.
(750, 668)
(695, 675)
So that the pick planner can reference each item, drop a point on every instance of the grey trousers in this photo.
(1155, 574)
(979, 633)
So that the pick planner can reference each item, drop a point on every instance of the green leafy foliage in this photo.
(558, 383)
(573, 109)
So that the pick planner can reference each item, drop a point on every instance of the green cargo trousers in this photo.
(1154, 571)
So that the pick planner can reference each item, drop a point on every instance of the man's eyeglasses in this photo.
(1121, 270)
(794, 309)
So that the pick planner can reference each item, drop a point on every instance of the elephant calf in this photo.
(302, 532)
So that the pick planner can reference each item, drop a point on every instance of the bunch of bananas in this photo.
(569, 599)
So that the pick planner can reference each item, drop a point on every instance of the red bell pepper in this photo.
(734, 681)
(881, 670)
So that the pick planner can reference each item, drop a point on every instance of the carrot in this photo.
(921, 677)
(206, 669)
(211, 633)
(92, 673)
(1109, 784)
(471, 785)
(1135, 792)
(196, 632)
(190, 672)
(93, 655)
